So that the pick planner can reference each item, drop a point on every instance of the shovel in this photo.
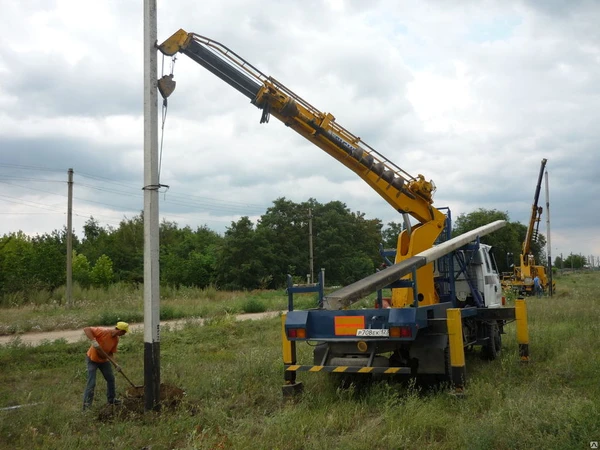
(123, 373)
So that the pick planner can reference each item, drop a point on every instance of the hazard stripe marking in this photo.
(349, 369)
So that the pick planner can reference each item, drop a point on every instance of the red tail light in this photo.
(299, 333)
(401, 332)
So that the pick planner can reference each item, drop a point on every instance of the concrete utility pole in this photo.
(69, 293)
(310, 246)
(151, 227)
(572, 258)
(562, 263)
(549, 245)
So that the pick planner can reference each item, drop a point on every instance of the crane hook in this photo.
(166, 85)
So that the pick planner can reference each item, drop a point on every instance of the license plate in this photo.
(378, 332)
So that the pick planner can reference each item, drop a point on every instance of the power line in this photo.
(25, 167)
(231, 207)
(186, 197)
(31, 179)
(207, 205)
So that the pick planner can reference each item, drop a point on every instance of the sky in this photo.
(473, 95)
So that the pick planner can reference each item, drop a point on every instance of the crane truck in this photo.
(521, 278)
(445, 293)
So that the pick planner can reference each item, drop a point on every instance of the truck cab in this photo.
(481, 276)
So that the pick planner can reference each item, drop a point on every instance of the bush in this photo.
(169, 313)
(109, 318)
(253, 305)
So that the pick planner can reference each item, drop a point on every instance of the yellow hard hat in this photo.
(122, 326)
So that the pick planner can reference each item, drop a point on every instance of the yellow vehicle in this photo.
(521, 278)
(445, 296)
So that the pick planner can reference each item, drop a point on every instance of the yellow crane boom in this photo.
(405, 193)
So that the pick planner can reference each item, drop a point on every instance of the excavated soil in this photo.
(133, 403)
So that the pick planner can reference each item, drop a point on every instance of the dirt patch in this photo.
(133, 403)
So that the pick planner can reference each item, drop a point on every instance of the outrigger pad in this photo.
(290, 390)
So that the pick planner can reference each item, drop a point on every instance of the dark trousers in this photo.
(538, 291)
(107, 372)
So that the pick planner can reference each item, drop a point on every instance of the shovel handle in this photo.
(121, 371)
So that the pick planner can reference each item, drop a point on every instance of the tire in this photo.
(498, 340)
(490, 350)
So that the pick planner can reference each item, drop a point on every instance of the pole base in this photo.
(458, 393)
(292, 389)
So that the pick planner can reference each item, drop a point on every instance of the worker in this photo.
(537, 286)
(99, 356)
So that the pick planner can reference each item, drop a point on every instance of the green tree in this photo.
(102, 272)
(82, 272)
(342, 238)
(125, 247)
(49, 259)
(96, 240)
(558, 262)
(390, 234)
(188, 257)
(575, 261)
(283, 230)
(240, 264)
(505, 241)
(16, 256)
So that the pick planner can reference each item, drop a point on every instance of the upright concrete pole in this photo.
(549, 244)
(151, 185)
(310, 246)
(70, 239)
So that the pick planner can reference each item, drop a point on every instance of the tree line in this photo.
(247, 256)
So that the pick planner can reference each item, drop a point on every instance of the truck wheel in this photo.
(491, 349)
(498, 340)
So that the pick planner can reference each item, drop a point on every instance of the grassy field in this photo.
(123, 302)
(232, 374)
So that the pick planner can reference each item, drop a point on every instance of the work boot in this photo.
(116, 402)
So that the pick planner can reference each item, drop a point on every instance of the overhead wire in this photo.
(210, 205)
(175, 199)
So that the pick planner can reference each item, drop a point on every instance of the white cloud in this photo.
(472, 95)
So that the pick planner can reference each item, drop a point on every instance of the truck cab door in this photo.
(492, 290)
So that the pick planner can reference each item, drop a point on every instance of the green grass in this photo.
(232, 374)
(123, 302)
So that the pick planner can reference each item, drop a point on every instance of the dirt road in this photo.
(71, 336)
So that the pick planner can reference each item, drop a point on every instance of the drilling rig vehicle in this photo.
(445, 293)
(521, 278)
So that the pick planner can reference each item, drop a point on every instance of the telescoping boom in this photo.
(405, 193)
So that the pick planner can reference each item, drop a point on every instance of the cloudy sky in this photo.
(471, 94)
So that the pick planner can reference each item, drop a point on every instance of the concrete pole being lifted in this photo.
(548, 241)
(344, 297)
(151, 227)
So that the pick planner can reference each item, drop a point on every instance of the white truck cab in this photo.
(484, 279)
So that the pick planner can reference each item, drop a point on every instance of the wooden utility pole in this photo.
(151, 227)
(69, 293)
(310, 246)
